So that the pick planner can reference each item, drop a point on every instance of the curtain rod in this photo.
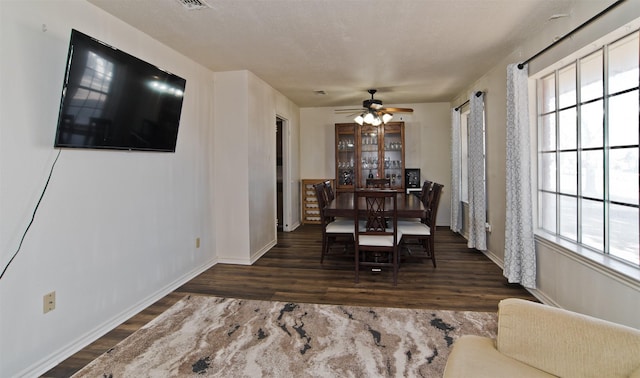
(610, 7)
(478, 94)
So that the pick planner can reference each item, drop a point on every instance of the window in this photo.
(464, 153)
(588, 138)
(89, 100)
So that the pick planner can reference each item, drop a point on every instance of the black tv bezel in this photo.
(78, 34)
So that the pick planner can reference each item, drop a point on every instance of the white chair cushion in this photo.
(378, 240)
(341, 227)
(413, 228)
(409, 220)
(344, 222)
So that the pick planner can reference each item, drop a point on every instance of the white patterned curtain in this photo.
(456, 212)
(477, 192)
(519, 254)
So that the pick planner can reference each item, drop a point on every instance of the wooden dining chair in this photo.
(333, 230)
(425, 197)
(422, 234)
(329, 191)
(330, 196)
(425, 193)
(377, 236)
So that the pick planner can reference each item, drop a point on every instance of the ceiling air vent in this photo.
(194, 4)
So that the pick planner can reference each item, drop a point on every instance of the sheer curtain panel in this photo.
(477, 190)
(519, 254)
(456, 209)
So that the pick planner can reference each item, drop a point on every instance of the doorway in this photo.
(279, 173)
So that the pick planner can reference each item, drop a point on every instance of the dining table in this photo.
(409, 205)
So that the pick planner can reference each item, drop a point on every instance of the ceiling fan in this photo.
(373, 112)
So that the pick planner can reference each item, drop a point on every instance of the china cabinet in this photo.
(369, 151)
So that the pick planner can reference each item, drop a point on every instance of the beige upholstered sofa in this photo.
(536, 340)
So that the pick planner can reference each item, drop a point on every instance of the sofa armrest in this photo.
(566, 343)
(477, 356)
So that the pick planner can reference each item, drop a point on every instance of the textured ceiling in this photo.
(412, 51)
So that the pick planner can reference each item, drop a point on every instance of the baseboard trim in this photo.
(542, 297)
(252, 259)
(292, 227)
(264, 250)
(54, 359)
(493, 257)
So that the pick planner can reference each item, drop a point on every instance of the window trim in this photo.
(609, 264)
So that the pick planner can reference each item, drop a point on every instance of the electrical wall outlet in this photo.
(49, 302)
(197, 242)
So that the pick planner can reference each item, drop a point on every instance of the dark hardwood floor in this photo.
(291, 271)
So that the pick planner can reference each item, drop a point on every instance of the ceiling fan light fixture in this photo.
(374, 113)
(368, 118)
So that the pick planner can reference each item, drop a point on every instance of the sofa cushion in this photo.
(477, 356)
(566, 343)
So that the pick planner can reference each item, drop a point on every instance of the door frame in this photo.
(285, 134)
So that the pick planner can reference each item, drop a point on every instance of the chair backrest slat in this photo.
(375, 219)
(426, 192)
(380, 208)
(322, 201)
(329, 191)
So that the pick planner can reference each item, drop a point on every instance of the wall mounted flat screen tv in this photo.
(113, 100)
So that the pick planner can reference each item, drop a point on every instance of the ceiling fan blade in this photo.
(397, 110)
(351, 113)
(359, 110)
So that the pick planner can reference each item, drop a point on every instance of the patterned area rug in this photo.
(222, 337)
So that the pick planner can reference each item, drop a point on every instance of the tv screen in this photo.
(113, 100)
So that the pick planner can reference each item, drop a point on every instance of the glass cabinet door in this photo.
(393, 154)
(346, 163)
(369, 154)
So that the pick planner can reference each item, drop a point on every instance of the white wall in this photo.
(262, 167)
(230, 178)
(116, 230)
(564, 278)
(244, 177)
(427, 140)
